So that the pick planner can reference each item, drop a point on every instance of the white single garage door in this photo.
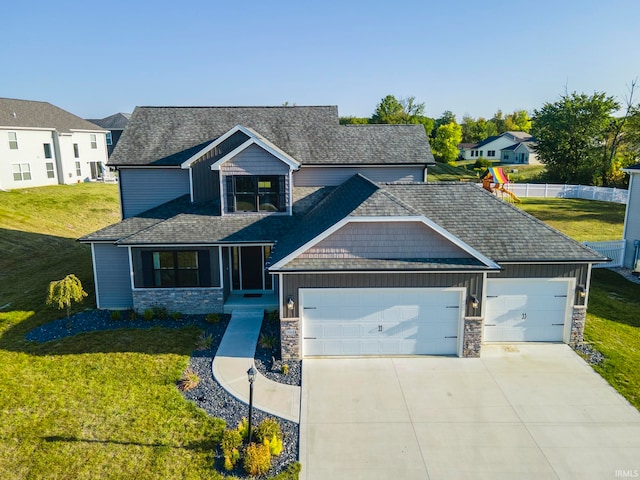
(380, 321)
(526, 310)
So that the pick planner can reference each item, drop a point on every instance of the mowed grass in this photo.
(613, 314)
(582, 220)
(99, 405)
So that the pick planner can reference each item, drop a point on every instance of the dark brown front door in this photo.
(252, 266)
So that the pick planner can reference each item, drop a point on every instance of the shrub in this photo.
(243, 428)
(267, 429)
(132, 314)
(257, 459)
(116, 315)
(482, 163)
(230, 443)
(285, 369)
(148, 314)
(267, 341)
(176, 316)
(275, 445)
(204, 341)
(213, 318)
(273, 316)
(189, 380)
(160, 313)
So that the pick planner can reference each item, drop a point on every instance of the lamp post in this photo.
(251, 374)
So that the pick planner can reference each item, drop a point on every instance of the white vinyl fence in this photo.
(613, 250)
(523, 190)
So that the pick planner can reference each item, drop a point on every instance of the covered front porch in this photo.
(240, 301)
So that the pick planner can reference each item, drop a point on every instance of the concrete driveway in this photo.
(526, 411)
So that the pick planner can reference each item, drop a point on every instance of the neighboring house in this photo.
(115, 125)
(41, 144)
(508, 147)
(337, 226)
(631, 233)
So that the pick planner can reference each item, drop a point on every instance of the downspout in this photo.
(636, 259)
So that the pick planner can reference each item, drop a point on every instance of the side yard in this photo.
(613, 316)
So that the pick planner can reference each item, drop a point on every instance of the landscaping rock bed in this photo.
(209, 394)
(268, 360)
(590, 354)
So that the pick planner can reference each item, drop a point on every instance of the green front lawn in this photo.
(99, 405)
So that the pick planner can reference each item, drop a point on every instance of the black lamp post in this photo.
(251, 373)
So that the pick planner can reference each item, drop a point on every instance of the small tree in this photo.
(63, 292)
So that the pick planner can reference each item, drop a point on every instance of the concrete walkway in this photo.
(235, 356)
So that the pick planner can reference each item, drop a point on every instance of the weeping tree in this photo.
(63, 292)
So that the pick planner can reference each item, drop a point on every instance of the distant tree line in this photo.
(584, 139)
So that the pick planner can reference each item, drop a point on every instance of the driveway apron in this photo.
(526, 411)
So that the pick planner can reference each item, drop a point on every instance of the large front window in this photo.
(256, 193)
(176, 269)
(171, 268)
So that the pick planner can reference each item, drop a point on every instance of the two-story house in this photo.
(508, 147)
(41, 144)
(114, 124)
(337, 225)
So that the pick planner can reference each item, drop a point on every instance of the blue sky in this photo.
(95, 59)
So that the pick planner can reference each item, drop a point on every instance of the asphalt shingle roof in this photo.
(167, 136)
(29, 113)
(117, 121)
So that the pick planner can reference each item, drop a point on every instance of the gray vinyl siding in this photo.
(579, 271)
(385, 240)
(206, 182)
(145, 188)
(292, 283)
(113, 286)
(332, 175)
(632, 226)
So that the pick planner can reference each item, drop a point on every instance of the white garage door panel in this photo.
(521, 310)
(380, 321)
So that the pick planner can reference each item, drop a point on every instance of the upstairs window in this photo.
(109, 139)
(94, 141)
(13, 141)
(256, 193)
(76, 150)
(47, 150)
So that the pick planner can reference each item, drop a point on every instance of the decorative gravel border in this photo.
(209, 394)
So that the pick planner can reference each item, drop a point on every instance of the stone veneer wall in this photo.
(290, 338)
(578, 318)
(183, 300)
(472, 341)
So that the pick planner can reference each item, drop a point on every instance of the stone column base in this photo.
(578, 319)
(472, 341)
(290, 338)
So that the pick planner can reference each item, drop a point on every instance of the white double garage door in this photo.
(426, 321)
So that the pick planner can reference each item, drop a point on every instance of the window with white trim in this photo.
(13, 141)
(109, 138)
(94, 141)
(21, 171)
(76, 150)
(256, 193)
(491, 153)
(47, 150)
(50, 170)
(78, 169)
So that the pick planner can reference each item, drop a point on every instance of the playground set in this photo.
(494, 180)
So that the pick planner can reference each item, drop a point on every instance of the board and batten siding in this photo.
(145, 188)
(292, 283)
(112, 277)
(579, 271)
(632, 220)
(206, 182)
(385, 240)
(335, 175)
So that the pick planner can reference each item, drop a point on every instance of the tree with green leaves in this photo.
(573, 137)
(405, 111)
(351, 120)
(445, 143)
(63, 292)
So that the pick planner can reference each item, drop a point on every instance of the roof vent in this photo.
(14, 115)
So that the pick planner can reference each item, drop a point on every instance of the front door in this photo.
(247, 265)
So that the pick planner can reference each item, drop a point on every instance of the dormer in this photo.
(245, 171)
